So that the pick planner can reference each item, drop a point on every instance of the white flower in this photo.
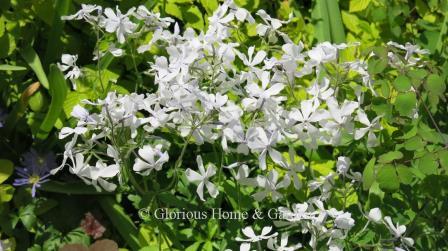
(250, 60)
(308, 114)
(67, 131)
(272, 244)
(258, 140)
(397, 230)
(100, 172)
(262, 96)
(119, 23)
(341, 113)
(410, 51)
(271, 26)
(293, 168)
(297, 214)
(69, 67)
(220, 17)
(322, 53)
(116, 52)
(252, 237)
(96, 175)
(270, 184)
(371, 126)
(203, 177)
(84, 13)
(293, 54)
(375, 215)
(335, 247)
(343, 164)
(150, 158)
(344, 221)
(242, 175)
(321, 90)
(152, 20)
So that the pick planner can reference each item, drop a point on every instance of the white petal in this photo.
(200, 191)
(258, 58)
(249, 232)
(212, 189)
(193, 176)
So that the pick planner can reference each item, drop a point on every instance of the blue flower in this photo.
(35, 170)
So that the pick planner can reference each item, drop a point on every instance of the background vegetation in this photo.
(34, 106)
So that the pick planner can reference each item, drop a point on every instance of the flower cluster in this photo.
(254, 100)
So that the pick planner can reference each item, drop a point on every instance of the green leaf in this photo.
(351, 21)
(190, 14)
(5, 67)
(6, 168)
(406, 103)
(194, 247)
(368, 176)
(417, 74)
(193, 17)
(414, 143)
(33, 60)
(6, 193)
(405, 174)
(208, 246)
(58, 91)
(28, 217)
(378, 65)
(376, 195)
(77, 236)
(435, 84)
(358, 5)
(390, 156)
(209, 5)
(427, 164)
(72, 99)
(402, 83)
(387, 178)
(443, 31)
(123, 224)
(443, 159)
(385, 89)
(7, 45)
(37, 102)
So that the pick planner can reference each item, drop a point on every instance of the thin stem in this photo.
(259, 246)
(98, 61)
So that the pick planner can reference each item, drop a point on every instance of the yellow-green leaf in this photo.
(6, 168)
(358, 5)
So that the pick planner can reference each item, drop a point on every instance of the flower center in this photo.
(33, 179)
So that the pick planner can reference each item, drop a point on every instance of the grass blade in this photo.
(335, 20)
(121, 221)
(322, 26)
(33, 60)
(5, 67)
(58, 92)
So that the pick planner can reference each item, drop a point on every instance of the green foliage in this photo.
(407, 175)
